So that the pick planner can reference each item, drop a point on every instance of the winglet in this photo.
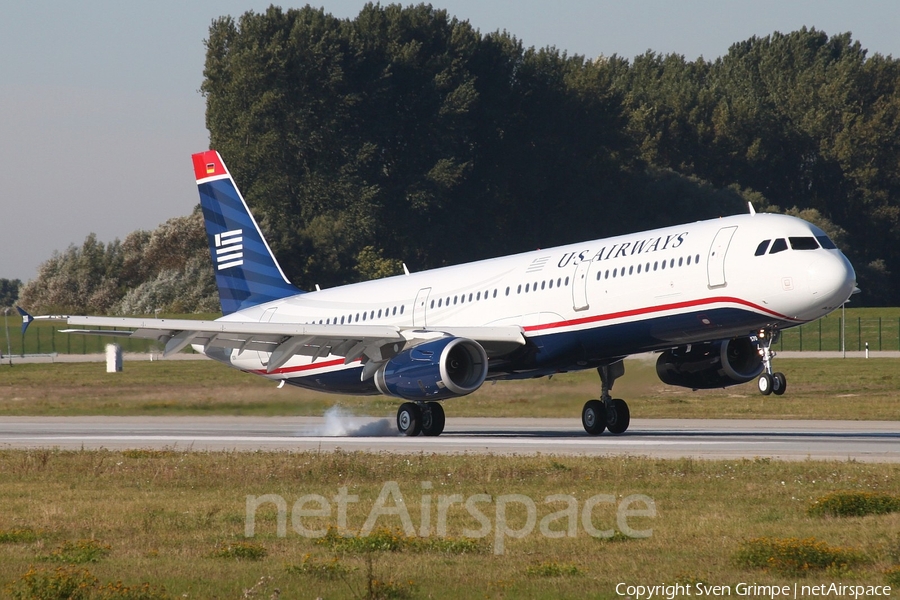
(26, 318)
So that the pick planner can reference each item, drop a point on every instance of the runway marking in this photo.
(725, 439)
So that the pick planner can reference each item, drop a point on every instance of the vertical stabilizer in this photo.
(247, 273)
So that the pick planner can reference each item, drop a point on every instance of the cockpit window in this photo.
(826, 242)
(778, 245)
(761, 249)
(804, 243)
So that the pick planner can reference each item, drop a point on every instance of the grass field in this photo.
(817, 389)
(106, 523)
(176, 520)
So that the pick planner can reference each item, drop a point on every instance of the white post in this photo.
(8, 346)
(113, 358)
(867, 349)
(843, 331)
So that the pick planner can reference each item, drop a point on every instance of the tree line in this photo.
(406, 135)
(168, 269)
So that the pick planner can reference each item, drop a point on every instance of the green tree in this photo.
(168, 269)
(9, 291)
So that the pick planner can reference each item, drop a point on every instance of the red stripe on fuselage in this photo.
(309, 367)
(572, 323)
(652, 309)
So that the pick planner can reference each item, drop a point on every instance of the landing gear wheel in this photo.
(779, 383)
(593, 417)
(618, 419)
(765, 383)
(432, 419)
(409, 419)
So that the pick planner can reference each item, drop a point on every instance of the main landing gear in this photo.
(426, 418)
(607, 413)
(769, 382)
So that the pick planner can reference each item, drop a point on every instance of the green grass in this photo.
(165, 516)
(855, 504)
(43, 337)
(78, 552)
(792, 556)
(817, 389)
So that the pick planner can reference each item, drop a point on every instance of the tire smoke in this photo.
(340, 422)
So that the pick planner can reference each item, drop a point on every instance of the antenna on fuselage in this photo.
(752, 210)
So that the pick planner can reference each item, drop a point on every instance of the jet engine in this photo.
(710, 364)
(434, 370)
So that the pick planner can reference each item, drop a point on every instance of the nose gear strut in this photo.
(769, 382)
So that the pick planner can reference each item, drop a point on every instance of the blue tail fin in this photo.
(247, 273)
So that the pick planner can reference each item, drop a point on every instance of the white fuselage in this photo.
(582, 304)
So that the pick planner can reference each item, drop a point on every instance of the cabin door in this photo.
(715, 264)
(420, 307)
(579, 286)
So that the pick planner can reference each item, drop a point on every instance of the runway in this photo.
(869, 441)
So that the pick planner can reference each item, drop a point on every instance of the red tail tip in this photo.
(208, 164)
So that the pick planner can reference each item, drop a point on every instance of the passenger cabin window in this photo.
(826, 242)
(778, 245)
(804, 243)
(761, 249)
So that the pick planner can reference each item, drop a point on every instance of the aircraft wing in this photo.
(376, 343)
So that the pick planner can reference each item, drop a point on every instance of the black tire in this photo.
(779, 384)
(765, 384)
(621, 417)
(409, 419)
(433, 419)
(593, 417)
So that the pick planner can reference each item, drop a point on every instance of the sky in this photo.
(100, 109)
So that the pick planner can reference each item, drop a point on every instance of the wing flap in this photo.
(106, 332)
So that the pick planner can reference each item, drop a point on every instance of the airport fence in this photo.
(44, 337)
(877, 327)
(834, 334)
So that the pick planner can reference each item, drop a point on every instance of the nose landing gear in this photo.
(769, 382)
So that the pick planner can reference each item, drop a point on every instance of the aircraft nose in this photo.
(831, 278)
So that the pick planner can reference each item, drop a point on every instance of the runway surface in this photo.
(871, 441)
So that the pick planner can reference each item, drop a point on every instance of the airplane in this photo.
(711, 297)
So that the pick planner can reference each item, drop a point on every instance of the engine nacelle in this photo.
(443, 368)
(710, 364)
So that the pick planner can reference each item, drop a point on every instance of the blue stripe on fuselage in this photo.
(551, 353)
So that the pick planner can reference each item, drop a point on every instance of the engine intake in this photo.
(710, 364)
(443, 368)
